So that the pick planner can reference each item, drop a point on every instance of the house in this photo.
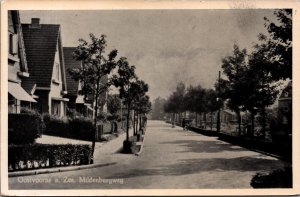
(45, 60)
(285, 108)
(76, 101)
(17, 66)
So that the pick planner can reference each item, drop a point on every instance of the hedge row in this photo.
(23, 157)
(24, 128)
(77, 127)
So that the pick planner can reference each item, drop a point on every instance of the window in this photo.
(56, 72)
(12, 104)
(55, 108)
(13, 44)
(10, 44)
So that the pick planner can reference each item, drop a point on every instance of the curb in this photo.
(60, 169)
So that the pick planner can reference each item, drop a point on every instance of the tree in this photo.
(95, 66)
(157, 112)
(175, 103)
(142, 107)
(278, 44)
(211, 103)
(126, 76)
(113, 104)
(261, 85)
(170, 106)
(139, 91)
(130, 88)
(234, 67)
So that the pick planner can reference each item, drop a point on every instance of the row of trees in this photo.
(252, 78)
(157, 113)
(193, 99)
(98, 72)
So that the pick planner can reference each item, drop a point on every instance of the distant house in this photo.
(46, 66)
(17, 66)
(76, 101)
(285, 108)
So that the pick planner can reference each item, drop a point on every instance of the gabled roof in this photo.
(71, 63)
(40, 44)
(287, 91)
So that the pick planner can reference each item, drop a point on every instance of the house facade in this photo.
(46, 64)
(17, 66)
(285, 109)
(76, 100)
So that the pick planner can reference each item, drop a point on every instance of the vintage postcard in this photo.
(150, 97)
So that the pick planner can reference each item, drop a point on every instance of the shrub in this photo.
(73, 113)
(81, 128)
(102, 116)
(24, 128)
(26, 110)
(114, 117)
(281, 178)
(55, 125)
(77, 127)
(23, 157)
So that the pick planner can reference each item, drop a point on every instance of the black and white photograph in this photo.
(158, 98)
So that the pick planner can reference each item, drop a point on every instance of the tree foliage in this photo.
(157, 113)
(113, 104)
(94, 70)
(278, 44)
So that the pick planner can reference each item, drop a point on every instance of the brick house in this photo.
(76, 101)
(46, 66)
(17, 66)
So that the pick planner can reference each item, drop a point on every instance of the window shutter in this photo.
(15, 44)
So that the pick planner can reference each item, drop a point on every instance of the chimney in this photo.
(35, 23)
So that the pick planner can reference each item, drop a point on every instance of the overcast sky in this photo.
(166, 46)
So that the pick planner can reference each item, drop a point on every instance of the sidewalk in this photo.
(104, 155)
(106, 151)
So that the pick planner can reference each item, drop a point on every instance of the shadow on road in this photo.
(205, 146)
(194, 166)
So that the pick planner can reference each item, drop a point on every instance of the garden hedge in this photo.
(24, 128)
(30, 156)
(81, 128)
(76, 127)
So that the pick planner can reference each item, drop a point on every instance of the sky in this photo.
(166, 46)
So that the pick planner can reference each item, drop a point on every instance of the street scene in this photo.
(150, 99)
(185, 161)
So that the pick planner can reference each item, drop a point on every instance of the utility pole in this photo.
(219, 110)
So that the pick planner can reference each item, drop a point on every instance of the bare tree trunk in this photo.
(218, 121)
(95, 123)
(264, 122)
(239, 121)
(127, 122)
(133, 122)
(211, 121)
(141, 124)
(196, 120)
(204, 120)
(201, 117)
(138, 122)
(252, 123)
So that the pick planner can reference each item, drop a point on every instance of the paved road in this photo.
(171, 158)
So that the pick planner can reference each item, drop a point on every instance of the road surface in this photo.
(171, 158)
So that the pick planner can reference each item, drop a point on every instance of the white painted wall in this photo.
(56, 88)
